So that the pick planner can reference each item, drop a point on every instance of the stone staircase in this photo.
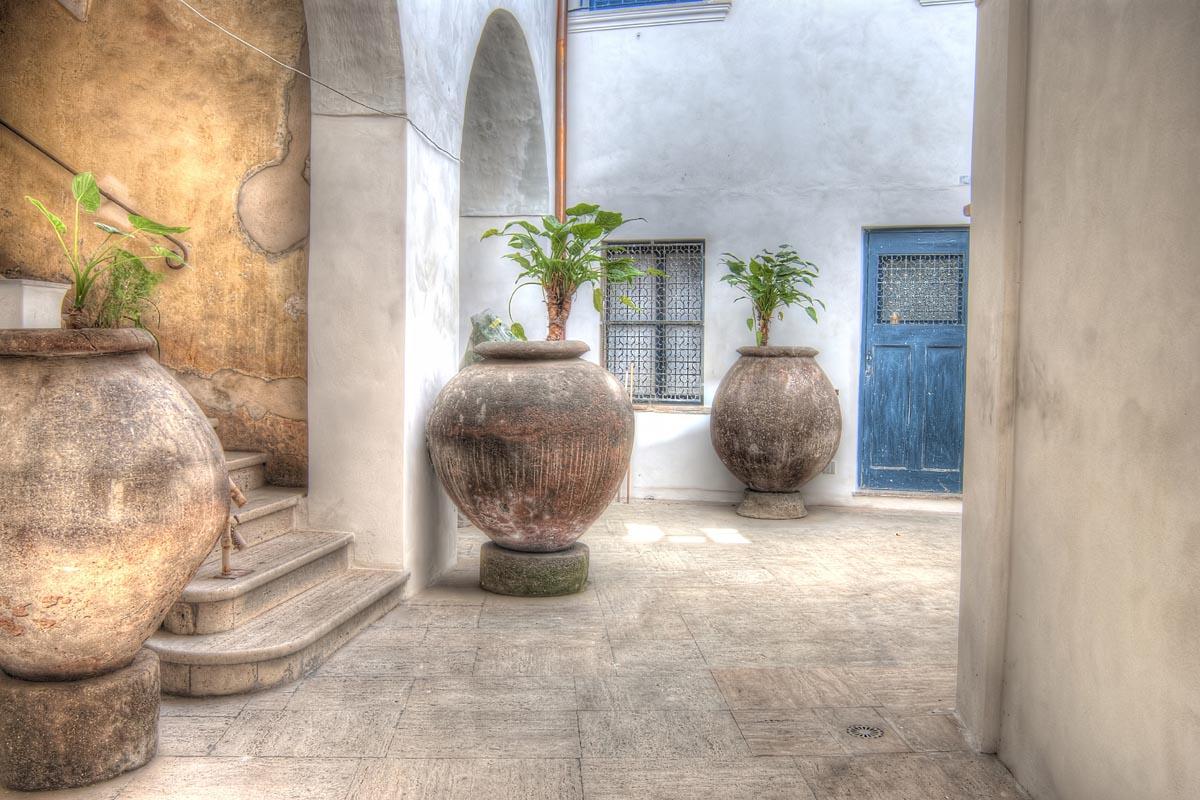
(295, 601)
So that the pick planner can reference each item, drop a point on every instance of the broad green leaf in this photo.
(85, 190)
(489, 232)
(170, 255)
(812, 312)
(750, 323)
(55, 221)
(150, 226)
(589, 230)
(581, 209)
(518, 330)
(609, 220)
(598, 299)
(630, 303)
(111, 229)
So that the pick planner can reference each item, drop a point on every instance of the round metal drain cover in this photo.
(864, 731)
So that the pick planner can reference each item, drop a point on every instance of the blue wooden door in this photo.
(913, 363)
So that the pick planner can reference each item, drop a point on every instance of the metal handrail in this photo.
(182, 248)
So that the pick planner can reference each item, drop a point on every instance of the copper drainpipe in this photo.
(560, 115)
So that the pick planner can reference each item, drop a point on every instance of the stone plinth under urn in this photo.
(775, 425)
(531, 444)
(114, 489)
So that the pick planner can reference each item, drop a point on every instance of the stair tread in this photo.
(238, 459)
(266, 561)
(287, 628)
(265, 500)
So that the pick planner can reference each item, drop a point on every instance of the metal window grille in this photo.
(663, 343)
(598, 4)
(920, 289)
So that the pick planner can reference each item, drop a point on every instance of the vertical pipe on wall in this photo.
(560, 114)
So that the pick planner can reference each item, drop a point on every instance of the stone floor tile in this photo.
(241, 778)
(666, 733)
(395, 636)
(365, 694)
(839, 720)
(468, 779)
(444, 595)
(587, 600)
(467, 638)
(927, 732)
(929, 687)
(693, 779)
(231, 706)
(786, 732)
(334, 733)
(190, 736)
(495, 693)
(430, 616)
(617, 600)
(789, 687)
(740, 575)
(435, 732)
(656, 657)
(545, 661)
(535, 618)
(365, 661)
(909, 776)
(684, 690)
(648, 625)
(816, 651)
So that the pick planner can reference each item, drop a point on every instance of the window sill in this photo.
(672, 409)
(582, 20)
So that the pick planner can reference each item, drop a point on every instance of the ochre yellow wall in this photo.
(175, 118)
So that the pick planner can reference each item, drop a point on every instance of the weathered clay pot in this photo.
(531, 442)
(775, 420)
(112, 490)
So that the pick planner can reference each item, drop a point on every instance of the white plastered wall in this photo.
(384, 262)
(801, 122)
(1080, 556)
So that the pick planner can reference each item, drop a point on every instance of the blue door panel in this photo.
(914, 354)
(943, 420)
(891, 440)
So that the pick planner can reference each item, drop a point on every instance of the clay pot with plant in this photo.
(531, 442)
(776, 422)
(112, 482)
(111, 286)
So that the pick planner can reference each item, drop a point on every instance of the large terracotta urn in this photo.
(775, 425)
(531, 442)
(113, 489)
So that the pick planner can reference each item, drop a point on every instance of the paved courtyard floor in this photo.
(710, 656)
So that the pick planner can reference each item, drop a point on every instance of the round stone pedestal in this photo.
(62, 734)
(520, 574)
(772, 505)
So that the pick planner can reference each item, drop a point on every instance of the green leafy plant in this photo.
(772, 281)
(129, 283)
(562, 256)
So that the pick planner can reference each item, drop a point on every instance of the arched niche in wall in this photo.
(504, 171)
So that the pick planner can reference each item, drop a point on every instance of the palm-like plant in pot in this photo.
(531, 442)
(775, 422)
(112, 482)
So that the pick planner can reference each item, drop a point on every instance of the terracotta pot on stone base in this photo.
(531, 443)
(113, 489)
(775, 425)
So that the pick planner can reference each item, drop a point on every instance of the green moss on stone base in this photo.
(533, 574)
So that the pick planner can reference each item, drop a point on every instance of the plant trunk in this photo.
(764, 330)
(74, 319)
(558, 308)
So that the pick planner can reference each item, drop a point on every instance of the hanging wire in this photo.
(336, 91)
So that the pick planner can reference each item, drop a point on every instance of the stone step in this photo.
(281, 645)
(268, 574)
(248, 470)
(270, 511)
